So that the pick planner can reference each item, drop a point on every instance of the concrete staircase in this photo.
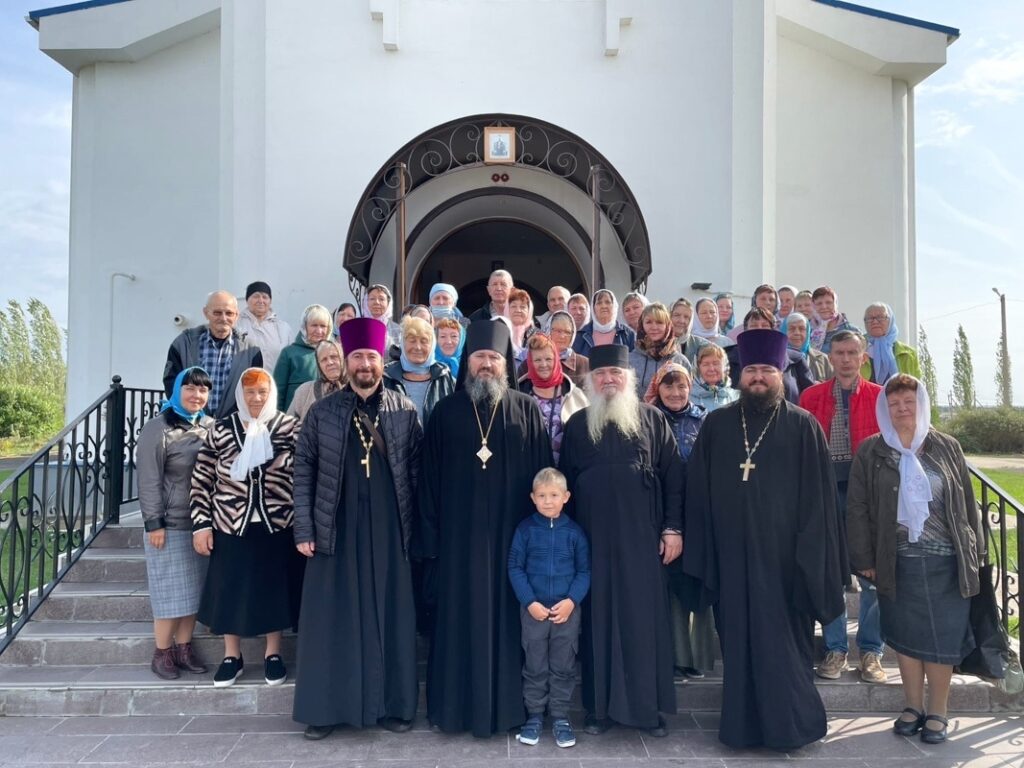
(87, 652)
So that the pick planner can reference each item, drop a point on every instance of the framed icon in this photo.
(499, 144)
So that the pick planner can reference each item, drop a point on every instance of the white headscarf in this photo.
(613, 323)
(697, 327)
(256, 447)
(915, 490)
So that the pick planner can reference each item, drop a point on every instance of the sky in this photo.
(969, 162)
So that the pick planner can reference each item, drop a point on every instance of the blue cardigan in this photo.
(549, 560)
(585, 338)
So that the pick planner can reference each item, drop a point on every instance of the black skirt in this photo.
(254, 584)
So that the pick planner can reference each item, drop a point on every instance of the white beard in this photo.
(621, 410)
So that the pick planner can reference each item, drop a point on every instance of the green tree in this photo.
(928, 375)
(49, 371)
(964, 392)
(1004, 385)
(17, 346)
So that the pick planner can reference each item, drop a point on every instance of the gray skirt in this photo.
(928, 620)
(176, 575)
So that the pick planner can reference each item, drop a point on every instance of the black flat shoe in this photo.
(909, 727)
(317, 732)
(395, 724)
(659, 731)
(595, 726)
(934, 735)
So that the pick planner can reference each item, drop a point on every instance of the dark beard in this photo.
(486, 390)
(760, 403)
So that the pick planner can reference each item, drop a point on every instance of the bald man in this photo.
(217, 348)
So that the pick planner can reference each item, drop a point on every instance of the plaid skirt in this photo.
(928, 620)
(176, 575)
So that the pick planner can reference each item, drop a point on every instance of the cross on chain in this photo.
(746, 466)
(365, 461)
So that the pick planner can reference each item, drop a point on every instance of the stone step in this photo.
(63, 643)
(102, 564)
(97, 601)
(119, 536)
(131, 689)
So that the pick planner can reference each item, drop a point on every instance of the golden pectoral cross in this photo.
(746, 466)
(365, 461)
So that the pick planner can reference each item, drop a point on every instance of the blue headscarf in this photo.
(453, 310)
(453, 361)
(729, 324)
(174, 403)
(880, 350)
(805, 349)
(408, 365)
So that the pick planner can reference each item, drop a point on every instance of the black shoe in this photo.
(273, 670)
(229, 670)
(693, 673)
(317, 732)
(435, 728)
(395, 724)
(595, 726)
(909, 727)
(934, 735)
(659, 731)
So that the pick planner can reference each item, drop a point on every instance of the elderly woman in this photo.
(796, 328)
(345, 312)
(520, 315)
(451, 338)
(604, 327)
(682, 326)
(632, 306)
(766, 297)
(260, 325)
(887, 356)
(579, 308)
(827, 319)
(726, 312)
(555, 394)
(710, 387)
(914, 530)
(297, 363)
(330, 364)
(443, 299)
(692, 631)
(241, 502)
(787, 295)
(562, 331)
(656, 345)
(705, 324)
(377, 303)
(165, 456)
(417, 374)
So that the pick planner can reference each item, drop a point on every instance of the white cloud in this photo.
(942, 128)
(930, 197)
(997, 77)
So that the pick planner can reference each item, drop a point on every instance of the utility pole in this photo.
(1004, 356)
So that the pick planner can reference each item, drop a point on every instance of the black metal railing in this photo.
(1003, 517)
(55, 503)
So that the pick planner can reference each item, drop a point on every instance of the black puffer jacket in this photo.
(320, 457)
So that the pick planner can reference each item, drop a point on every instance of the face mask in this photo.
(442, 312)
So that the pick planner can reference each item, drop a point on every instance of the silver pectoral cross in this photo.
(484, 454)
(746, 466)
(365, 461)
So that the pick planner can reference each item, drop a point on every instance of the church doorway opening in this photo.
(468, 255)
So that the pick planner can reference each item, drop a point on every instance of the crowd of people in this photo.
(602, 493)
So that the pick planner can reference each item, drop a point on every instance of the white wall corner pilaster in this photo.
(617, 14)
(904, 257)
(386, 12)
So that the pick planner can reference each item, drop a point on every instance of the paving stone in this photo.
(177, 748)
(47, 748)
(99, 607)
(451, 747)
(17, 726)
(242, 724)
(343, 744)
(703, 744)
(111, 726)
(116, 537)
(620, 742)
(236, 700)
(35, 702)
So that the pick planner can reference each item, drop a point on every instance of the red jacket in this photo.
(863, 422)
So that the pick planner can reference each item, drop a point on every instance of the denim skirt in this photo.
(928, 620)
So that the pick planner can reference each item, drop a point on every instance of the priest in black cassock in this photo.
(763, 537)
(627, 481)
(356, 467)
(483, 445)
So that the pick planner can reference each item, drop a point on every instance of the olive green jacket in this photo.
(872, 501)
(906, 362)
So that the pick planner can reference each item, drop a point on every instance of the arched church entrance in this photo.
(557, 213)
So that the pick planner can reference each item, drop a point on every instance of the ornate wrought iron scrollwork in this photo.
(460, 143)
(1000, 513)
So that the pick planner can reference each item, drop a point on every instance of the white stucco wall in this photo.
(144, 184)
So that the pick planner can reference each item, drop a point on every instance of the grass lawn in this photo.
(1010, 480)
(5, 473)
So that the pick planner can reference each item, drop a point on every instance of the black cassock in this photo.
(770, 556)
(625, 492)
(357, 629)
(467, 517)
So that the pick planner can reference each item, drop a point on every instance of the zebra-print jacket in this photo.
(221, 503)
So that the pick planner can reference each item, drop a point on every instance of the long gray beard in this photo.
(486, 390)
(621, 410)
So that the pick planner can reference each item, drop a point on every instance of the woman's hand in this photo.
(202, 542)
(306, 548)
(670, 547)
(157, 538)
(869, 574)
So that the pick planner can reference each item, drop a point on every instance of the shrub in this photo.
(988, 430)
(28, 412)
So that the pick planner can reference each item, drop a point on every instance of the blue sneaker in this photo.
(529, 734)
(564, 734)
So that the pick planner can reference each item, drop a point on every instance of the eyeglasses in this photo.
(875, 318)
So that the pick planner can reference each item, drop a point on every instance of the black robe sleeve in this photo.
(699, 555)
(671, 473)
(428, 491)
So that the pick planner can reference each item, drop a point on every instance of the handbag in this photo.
(992, 660)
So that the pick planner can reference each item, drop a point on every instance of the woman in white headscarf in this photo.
(241, 503)
(604, 326)
(914, 531)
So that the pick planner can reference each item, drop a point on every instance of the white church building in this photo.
(310, 145)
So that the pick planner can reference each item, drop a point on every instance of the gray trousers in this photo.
(549, 667)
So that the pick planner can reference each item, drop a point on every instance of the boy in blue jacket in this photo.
(549, 567)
